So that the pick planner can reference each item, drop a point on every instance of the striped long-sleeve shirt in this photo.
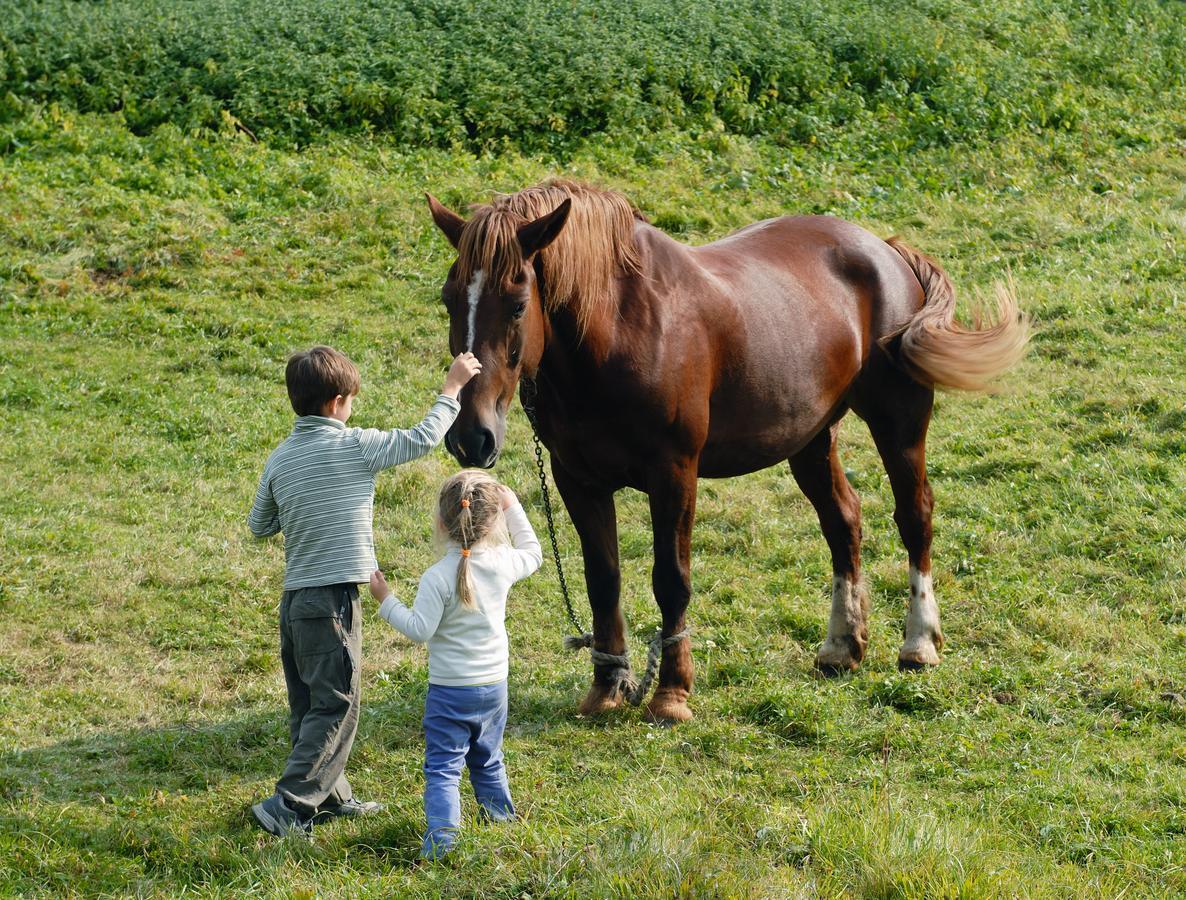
(318, 488)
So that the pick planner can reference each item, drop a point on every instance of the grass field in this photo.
(151, 287)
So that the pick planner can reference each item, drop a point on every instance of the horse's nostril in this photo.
(489, 449)
(475, 447)
(456, 448)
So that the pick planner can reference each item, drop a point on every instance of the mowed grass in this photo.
(151, 290)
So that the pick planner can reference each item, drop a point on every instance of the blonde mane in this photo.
(595, 245)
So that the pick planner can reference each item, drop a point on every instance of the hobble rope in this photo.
(621, 676)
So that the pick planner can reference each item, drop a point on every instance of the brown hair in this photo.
(469, 511)
(595, 245)
(314, 377)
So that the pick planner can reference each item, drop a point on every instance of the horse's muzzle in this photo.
(476, 447)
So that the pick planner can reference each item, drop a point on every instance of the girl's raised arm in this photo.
(527, 555)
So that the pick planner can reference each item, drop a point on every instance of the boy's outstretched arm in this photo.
(418, 623)
(264, 518)
(383, 449)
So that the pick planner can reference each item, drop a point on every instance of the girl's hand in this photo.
(379, 589)
(506, 497)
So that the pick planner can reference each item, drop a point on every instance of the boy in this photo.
(318, 488)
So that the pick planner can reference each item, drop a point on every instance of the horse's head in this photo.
(493, 295)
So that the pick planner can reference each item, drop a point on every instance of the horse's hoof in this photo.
(920, 653)
(668, 706)
(917, 661)
(838, 656)
(906, 664)
(830, 670)
(600, 700)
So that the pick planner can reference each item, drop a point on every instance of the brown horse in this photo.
(656, 363)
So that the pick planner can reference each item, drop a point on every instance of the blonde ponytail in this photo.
(469, 511)
(465, 590)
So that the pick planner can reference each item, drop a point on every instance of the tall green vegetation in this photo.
(544, 75)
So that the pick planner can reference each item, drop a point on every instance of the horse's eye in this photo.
(520, 277)
(514, 356)
(517, 312)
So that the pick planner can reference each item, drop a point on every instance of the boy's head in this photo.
(316, 377)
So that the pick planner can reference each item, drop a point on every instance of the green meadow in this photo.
(168, 237)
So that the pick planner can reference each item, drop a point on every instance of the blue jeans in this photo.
(463, 725)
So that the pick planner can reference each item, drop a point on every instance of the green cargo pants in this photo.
(320, 649)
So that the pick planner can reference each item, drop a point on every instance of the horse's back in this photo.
(796, 306)
(819, 261)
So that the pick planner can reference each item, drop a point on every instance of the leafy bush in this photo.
(542, 75)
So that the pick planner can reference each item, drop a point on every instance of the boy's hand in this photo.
(506, 497)
(465, 366)
(379, 589)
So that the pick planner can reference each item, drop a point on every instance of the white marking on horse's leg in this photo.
(923, 635)
(474, 293)
(844, 646)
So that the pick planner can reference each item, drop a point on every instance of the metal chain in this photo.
(635, 691)
(528, 400)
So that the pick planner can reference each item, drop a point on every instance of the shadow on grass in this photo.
(178, 758)
(167, 807)
(167, 850)
(200, 756)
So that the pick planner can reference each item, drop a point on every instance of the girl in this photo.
(459, 611)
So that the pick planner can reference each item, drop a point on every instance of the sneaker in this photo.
(278, 818)
(350, 809)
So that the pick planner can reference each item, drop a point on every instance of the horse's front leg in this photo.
(593, 515)
(673, 508)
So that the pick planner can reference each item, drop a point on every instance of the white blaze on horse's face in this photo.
(473, 294)
(500, 319)
(487, 319)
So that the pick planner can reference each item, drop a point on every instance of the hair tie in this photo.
(465, 552)
(465, 504)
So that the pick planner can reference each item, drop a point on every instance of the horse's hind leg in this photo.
(898, 411)
(820, 476)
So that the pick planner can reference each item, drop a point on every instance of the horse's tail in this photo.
(937, 351)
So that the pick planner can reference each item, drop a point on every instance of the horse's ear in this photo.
(447, 220)
(534, 236)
